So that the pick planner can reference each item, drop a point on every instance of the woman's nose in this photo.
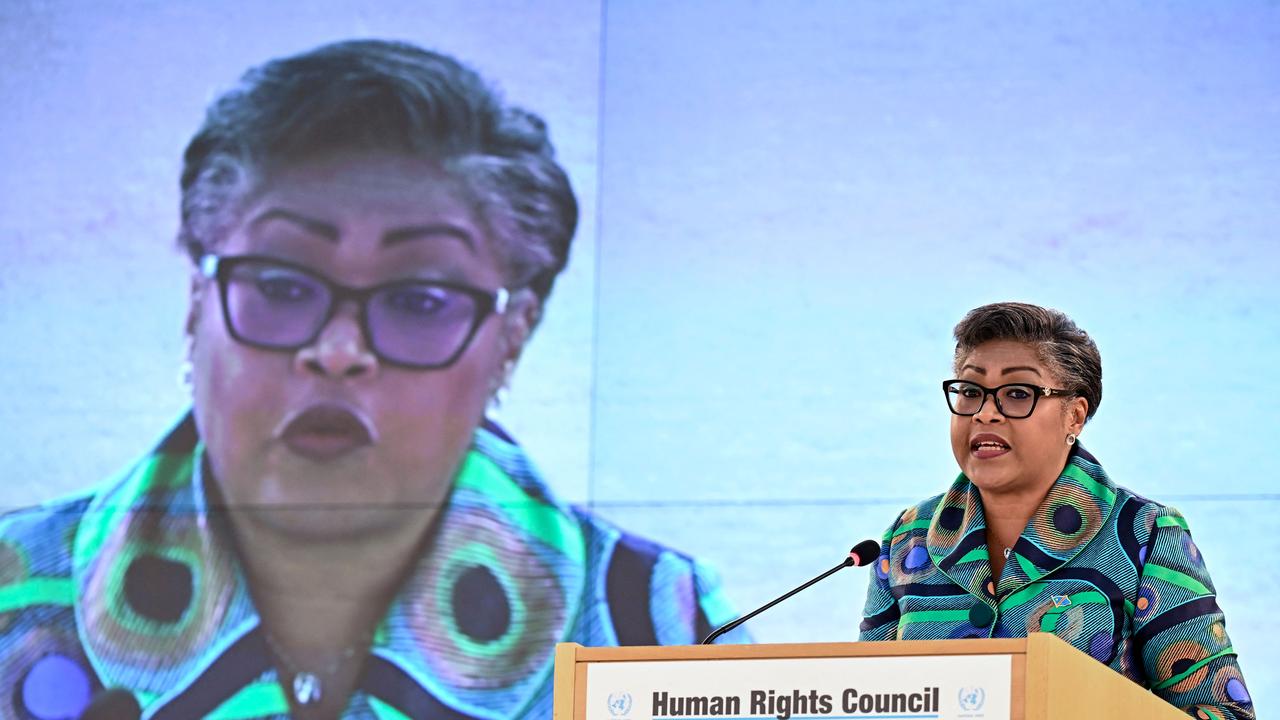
(989, 412)
(340, 350)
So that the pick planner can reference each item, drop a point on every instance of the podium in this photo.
(1040, 677)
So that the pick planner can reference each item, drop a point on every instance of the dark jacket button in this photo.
(981, 615)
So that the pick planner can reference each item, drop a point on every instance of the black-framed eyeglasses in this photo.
(1014, 400)
(274, 304)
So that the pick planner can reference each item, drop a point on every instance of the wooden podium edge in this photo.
(1000, 646)
(1053, 690)
(565, 684)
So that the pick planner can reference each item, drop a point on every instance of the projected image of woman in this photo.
(336, 530)
(1034, 537)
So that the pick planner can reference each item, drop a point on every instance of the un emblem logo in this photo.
(619, 704)
(972, 699)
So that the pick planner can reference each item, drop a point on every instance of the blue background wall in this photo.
(786, 208)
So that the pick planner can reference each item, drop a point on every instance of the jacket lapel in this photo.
(160, 597)
(957, 539)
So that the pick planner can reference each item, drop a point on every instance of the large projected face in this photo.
(328, 426)
(1013, 456)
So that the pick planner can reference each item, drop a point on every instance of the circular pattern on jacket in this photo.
(1079, 503)
(1147, 603)
(156, 592)
(1177, 658)
(909, 515)
(951, 518)
(1102, 646)
(1228, 683)
(484, 561)
(28, 652)
(1067, 520)
(480, 605)
(56, 687)
(1189, 547)
(1237, 691)
(159, 588)
(916, 558)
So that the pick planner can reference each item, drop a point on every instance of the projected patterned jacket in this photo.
(135, 586)
(1114, 574)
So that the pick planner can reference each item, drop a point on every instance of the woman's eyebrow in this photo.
(1006, 371)
(315, 227)
(1017, 368)
(330, 232)
(418, 232)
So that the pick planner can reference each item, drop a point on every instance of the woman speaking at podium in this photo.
(1034, 537)
(336, 530)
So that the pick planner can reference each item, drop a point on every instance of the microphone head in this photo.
(864, 553)
(113, 704)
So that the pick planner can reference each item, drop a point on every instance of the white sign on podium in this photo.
(952, 687)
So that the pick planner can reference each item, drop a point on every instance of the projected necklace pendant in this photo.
(306, 688)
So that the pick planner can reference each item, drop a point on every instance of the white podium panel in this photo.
(951, 687)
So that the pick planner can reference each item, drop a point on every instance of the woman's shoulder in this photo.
(1144, 515)
(40, 537)
(37, 549)
(917, 516)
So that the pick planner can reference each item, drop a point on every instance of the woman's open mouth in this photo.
(988, 445)
(326, 432)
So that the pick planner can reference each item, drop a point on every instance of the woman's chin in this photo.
(339, 522)
(326, 503)
(990, 479)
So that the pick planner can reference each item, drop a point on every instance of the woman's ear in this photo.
(195, 302)
(523, 316)
(1077, 414)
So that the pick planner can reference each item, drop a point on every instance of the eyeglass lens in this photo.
(412, 322)
(1013, 401)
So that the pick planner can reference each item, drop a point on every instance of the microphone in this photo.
(861, 554)
(113, 704)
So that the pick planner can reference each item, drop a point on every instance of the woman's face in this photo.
(1013, 456)
(328, 440)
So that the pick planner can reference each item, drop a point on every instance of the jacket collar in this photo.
(163, 608)
(1074, 511)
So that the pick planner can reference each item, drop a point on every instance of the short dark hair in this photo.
(385, 96)
(1063, 347)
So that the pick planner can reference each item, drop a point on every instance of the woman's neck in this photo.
(320, 601)
(1007, 515)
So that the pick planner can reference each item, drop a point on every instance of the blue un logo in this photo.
(619, 704)
(972, 699)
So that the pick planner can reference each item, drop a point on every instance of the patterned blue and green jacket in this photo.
(135, 585)
(1114, 574)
